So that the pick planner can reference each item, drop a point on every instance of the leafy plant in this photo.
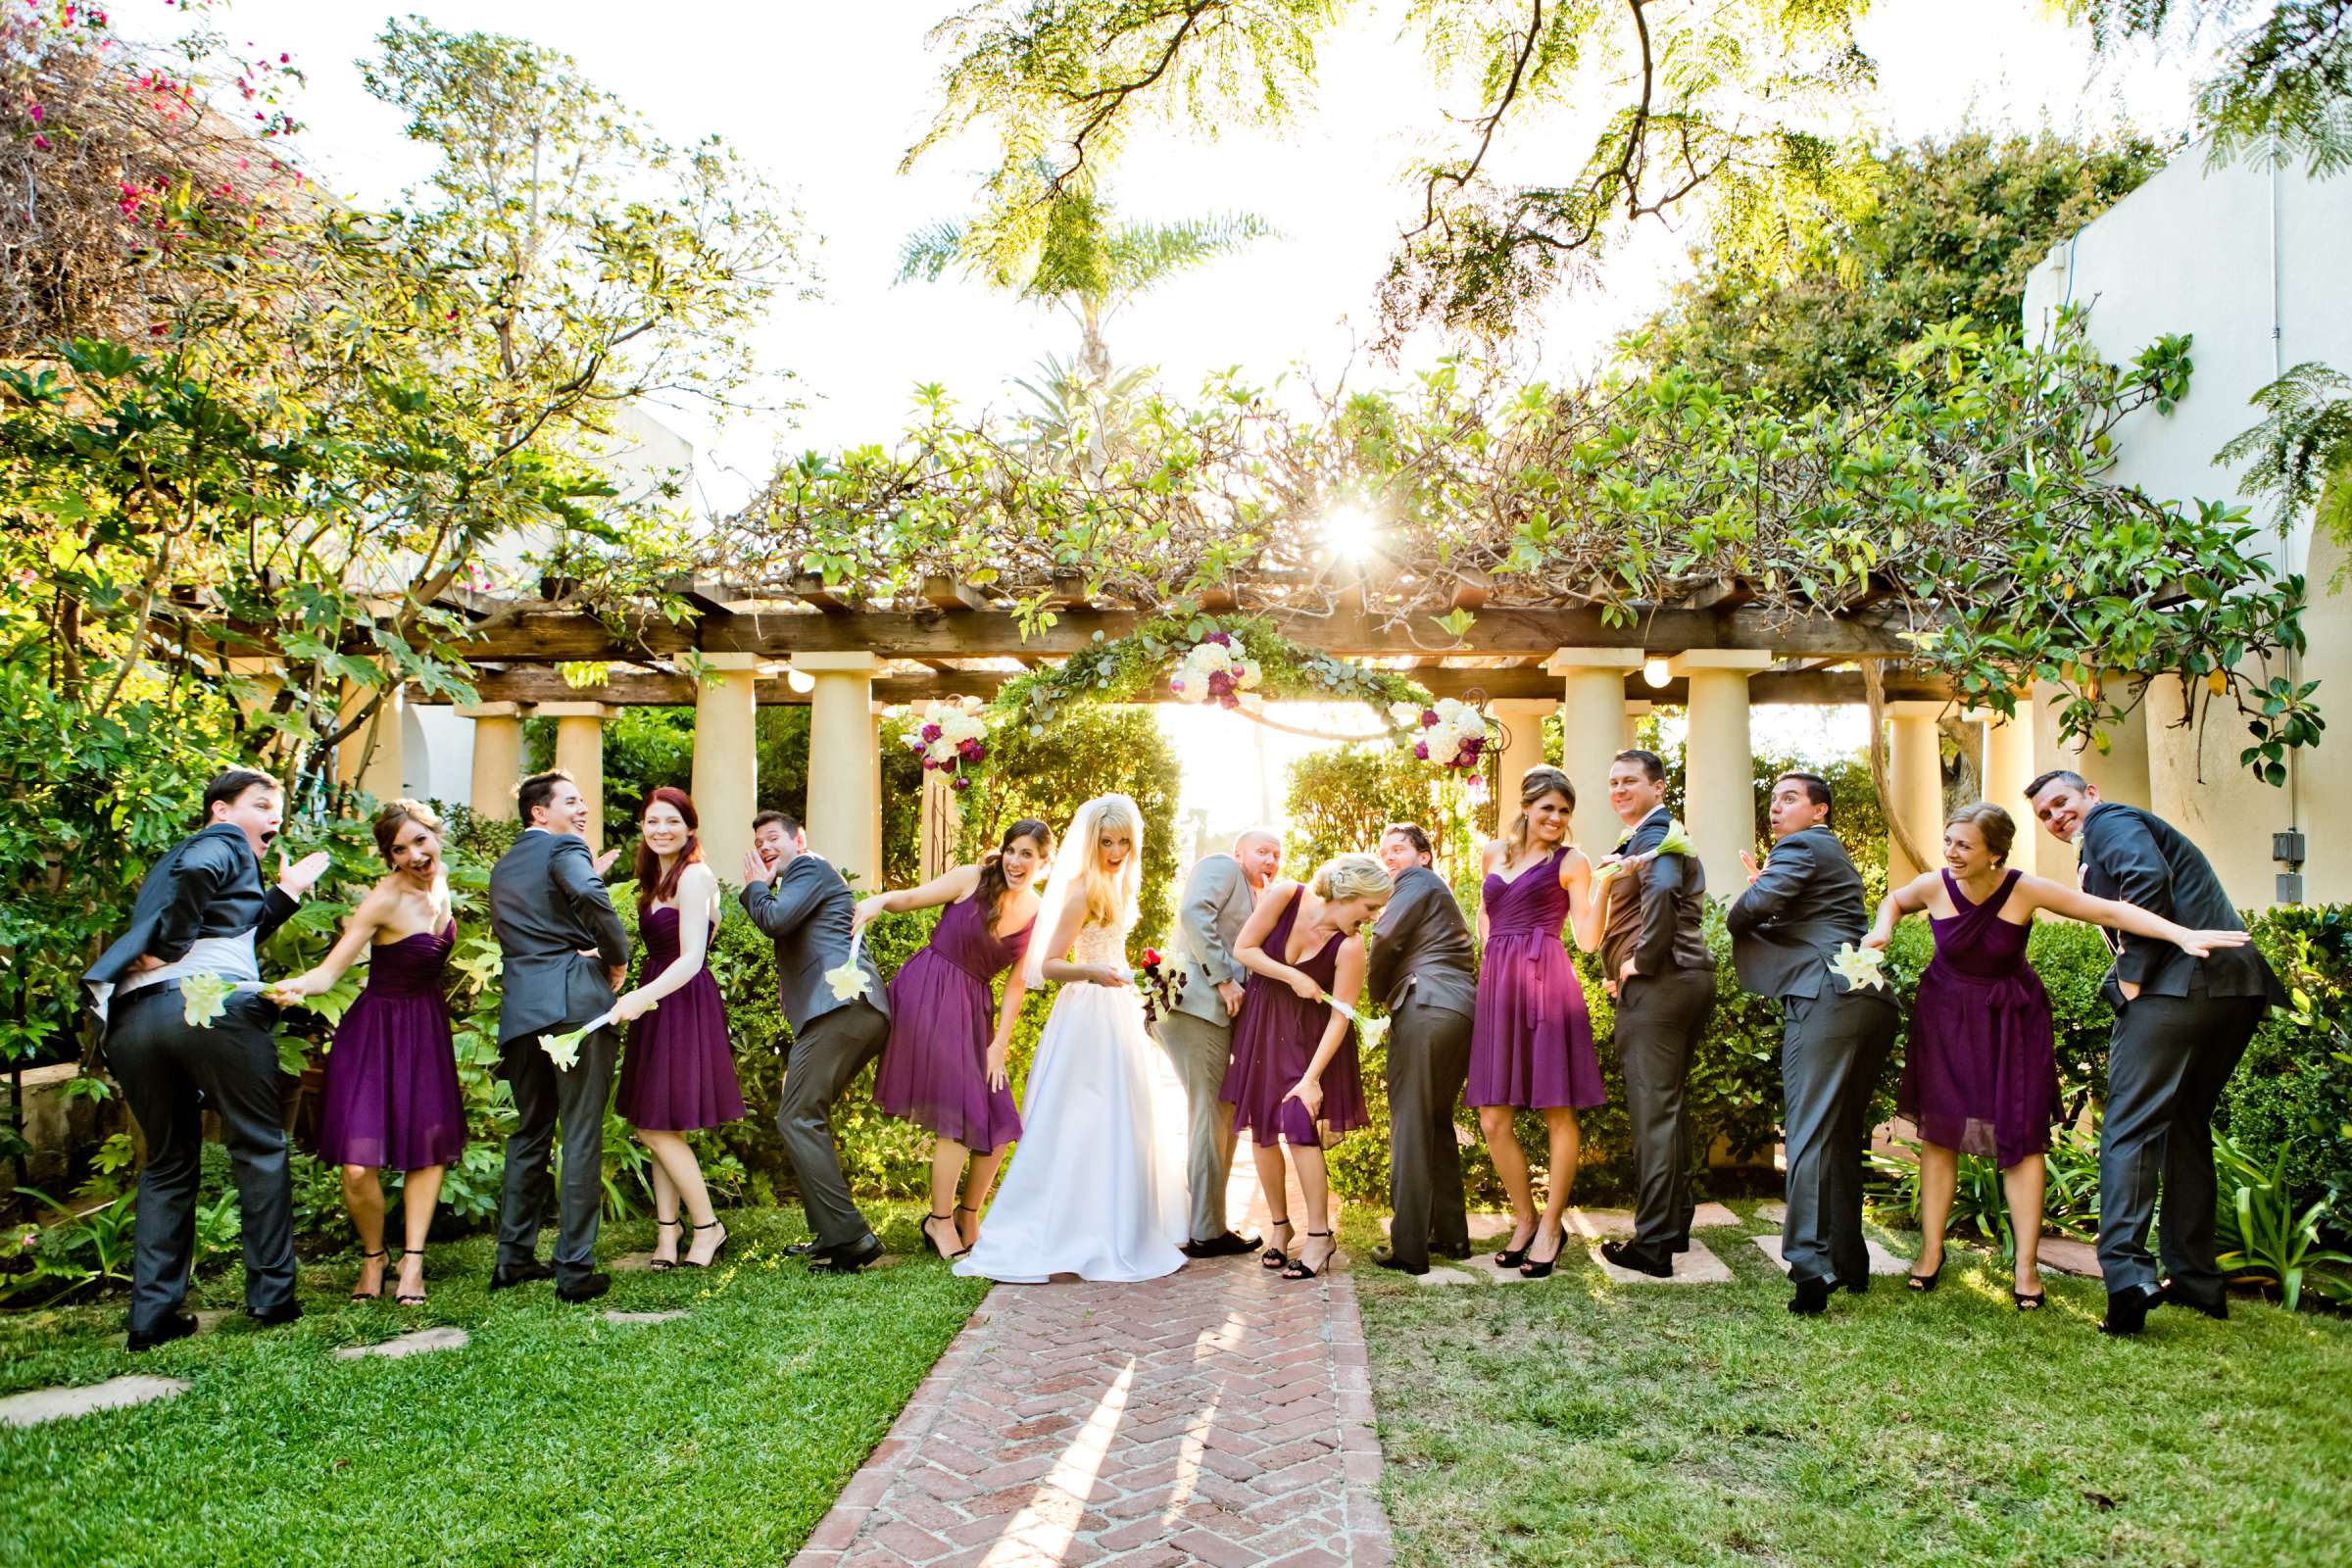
(2260, 1234)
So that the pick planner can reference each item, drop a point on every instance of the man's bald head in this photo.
(1259, 849)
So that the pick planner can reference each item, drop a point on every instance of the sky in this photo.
(827, 98)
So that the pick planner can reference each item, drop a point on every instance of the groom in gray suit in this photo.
(1798, 909)
(1423, 971)
(565, 952)
(1198, 1035)
(803, 904)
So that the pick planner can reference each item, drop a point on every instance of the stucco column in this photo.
(1593, 733)
(1635, 711)
(1915, 778)
(369, 756)
(942, 819)
(1522, 748)
(2008, 769)
(497, 757)
(844, 765)
(1719, 794)
(580, 751)
(2121, 772)
(725, 783)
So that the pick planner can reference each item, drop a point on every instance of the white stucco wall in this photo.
(2250, 261)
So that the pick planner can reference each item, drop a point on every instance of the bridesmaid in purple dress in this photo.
(1531, 1042)
(1294, 1077)
(944, 1067)
(678, 1073)
(392, 1101)
(1980, 1076)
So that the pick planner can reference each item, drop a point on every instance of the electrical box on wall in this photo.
(2288, 847)
(2290, 888)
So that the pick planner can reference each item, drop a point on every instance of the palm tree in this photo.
(1087, 262)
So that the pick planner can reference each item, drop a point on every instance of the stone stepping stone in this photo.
(642, 1317)
(2070, 1256)
(444, 1338)
(1483, 1226)
(1881, 1262)
(31, 1408)
(1698, 1266)
(1772, 1213)
(1594, 1223)
(1441, 1275)
(1706, 1215)
(631, 1263)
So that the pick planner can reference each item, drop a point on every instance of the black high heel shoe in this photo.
(1512, 1257)
(964, 1209)
(377, 1294)
(409, 1298)
(932, 1242)
(2026, 1303)
(724, 1236)
(1275, 1256)
(1535, 1269)
(663, 1265)
(1924, 1283)
(1296, 1268)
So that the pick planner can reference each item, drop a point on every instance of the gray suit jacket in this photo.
(1792, 920)
(1657, 911)
(1421, 949)
(546, 904)
(807, 914)
(1210, 917)
(2136, 857)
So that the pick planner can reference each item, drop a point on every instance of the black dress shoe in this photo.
(2169, 1295)
(1626, 1255)
(2127, 1310)
(277, 1315)
(178, 1325)
(1227, 1245)
(585, 1289)
(505, 1278)
(801, 1248)
(1812, 1296)
(1386, 1257)
(846, 1260)
(1459, 1255)
(1855, 1286)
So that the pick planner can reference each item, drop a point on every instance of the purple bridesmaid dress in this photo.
(392, 1101)
(1530, 1040)
(1982, 1073)
(1274, 1039)
(678, 1073)
(934, 1071)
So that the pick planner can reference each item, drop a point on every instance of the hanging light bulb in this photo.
(800, 680)
(1654, 673)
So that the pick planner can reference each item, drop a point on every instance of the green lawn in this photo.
(555, 1436)
(1575, 1421)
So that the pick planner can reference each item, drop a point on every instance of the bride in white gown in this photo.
(1092, 1190)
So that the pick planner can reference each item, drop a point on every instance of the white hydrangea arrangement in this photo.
(1445, 734)
(1217, 669)
(951, 737)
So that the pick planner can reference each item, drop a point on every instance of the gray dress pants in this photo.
(2167, 1062)
(1429, 1060)
(1659, 1021)
(171, 1073)
(826, 1057)
(1833, 1048)
(1201, 1051)
(545, 1097)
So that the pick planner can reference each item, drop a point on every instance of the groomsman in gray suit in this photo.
(804, 907)
(1799, 908)
(565, 952)
(1422, 969)
(1198, 1035)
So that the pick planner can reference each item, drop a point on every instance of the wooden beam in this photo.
(810, 589)
(952, 596)
(711, 598)
(552, 636)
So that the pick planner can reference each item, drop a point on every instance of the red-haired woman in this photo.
(678, 1073)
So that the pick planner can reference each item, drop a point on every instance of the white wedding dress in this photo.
(1092, 1189)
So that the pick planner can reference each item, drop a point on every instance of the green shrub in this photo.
(2292, 1098)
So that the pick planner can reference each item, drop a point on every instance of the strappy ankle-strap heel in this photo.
(377, 1294)
(663, 1265)
(932, 1242)
(725, 1236)
(965, 1208)
(1296, 1268)
(409, 1298)
(1275, 1256)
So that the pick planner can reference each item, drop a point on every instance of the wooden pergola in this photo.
(847, 656)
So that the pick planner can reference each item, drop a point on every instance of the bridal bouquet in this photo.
(1160, 987)
(1860, 966)
(1675, 842)
(848, 980)
(563, 1049)
(1218, 670)
(203, 998)
(950, 736)
(1369, 1032)
(1450, 734)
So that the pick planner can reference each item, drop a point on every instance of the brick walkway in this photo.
(1221, 1416)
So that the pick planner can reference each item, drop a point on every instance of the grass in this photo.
(1576, 1421)
(555, 1436)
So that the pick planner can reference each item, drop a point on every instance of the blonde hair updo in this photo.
(1352, 876)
